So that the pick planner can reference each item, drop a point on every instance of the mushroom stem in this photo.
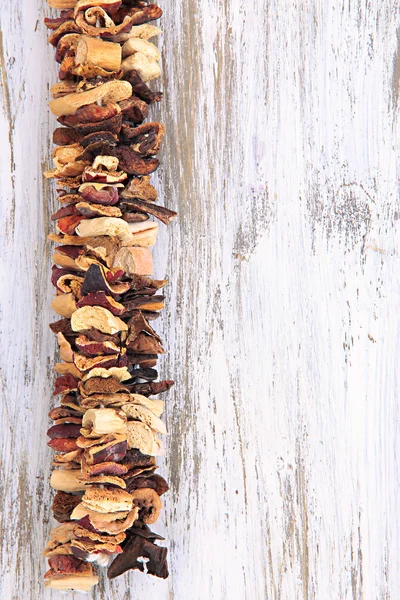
(95, 51)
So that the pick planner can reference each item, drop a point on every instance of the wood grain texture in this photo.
(282, 157)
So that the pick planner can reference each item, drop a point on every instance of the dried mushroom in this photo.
(111, 91)
(136, 548)
(145, 139)
(98, 422)
(105, 430)
(107, 500)
(95, 316)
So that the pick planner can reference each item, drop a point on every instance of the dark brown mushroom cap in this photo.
(63, 136)
(108, 196)
(140, 89)
(113, 124)
(134, 109)
(96, 281)
(133, 163)
(146, 138)
(160, 212)
(140, 188)
(64, 504)
(99, 136)
(137, 547)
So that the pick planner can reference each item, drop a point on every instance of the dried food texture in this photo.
(105, 429)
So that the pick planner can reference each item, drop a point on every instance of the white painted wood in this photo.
(282, 157)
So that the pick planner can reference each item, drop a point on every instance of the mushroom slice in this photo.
(141, 437)
(92, 348)
(107, 501)
(62, 88)
(143, 234)
(68, 225)
(90, 113)
(67, 430)
(70, 573)
(133, 163)
(145, 13)
(141, 189)
(66, 481)
(104, 137)
(63, 136)
(81, 511)
(114, 450)
(95, 316)
(160, 212)
(98, 385)
(104, 400)
(101, 299)
(140, 45)
(156, 406)
(104, 194)
(153, 481)
(86, 19)
(141, 89)
(98, 175)
(94, 53)
(66, 353)
(67, 45)
(96, 281)
(85, 363)
(80, 531)
(138, 412)
(87, 550)
(104, 480)
(97, 210)
(134, 109)
(134, 260)
(70, 457)
(149, 504)
(144, 32)
(111, 91)
(65, 28)
(113, 125)
(106, 226)
(62, 4)
(63, 533)
(145, 139)
(102, 421)
(146, 66)
(120, 373)
(104, 468)
(112, 523)
(65, 211)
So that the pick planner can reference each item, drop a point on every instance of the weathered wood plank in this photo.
(282, 159)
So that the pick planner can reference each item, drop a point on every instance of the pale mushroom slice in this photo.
(66, 481)
(144, 32)
(100, 318)
(72, 582)
(138, 412)
(139, 45)
(101, 421)
(109, 92)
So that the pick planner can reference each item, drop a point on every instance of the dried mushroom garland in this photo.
(106, 429)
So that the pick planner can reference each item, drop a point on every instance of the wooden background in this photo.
(282, 157)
